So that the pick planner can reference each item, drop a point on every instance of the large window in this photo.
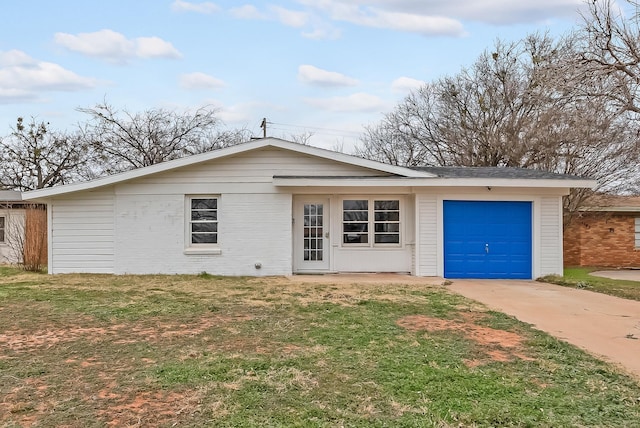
(386, 222)
(203, 220)
(637, 230)
(2, 228)
(370, 221)
(355, 221)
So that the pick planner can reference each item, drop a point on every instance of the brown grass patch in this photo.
(498, 345)
(21, 341)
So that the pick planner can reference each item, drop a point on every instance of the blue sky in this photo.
(328, 67)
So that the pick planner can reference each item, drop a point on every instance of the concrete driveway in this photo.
(626, 274)
(606, 326)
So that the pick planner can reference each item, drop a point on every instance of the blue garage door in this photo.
(487, 239)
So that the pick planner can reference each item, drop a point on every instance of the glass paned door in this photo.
(311, 247)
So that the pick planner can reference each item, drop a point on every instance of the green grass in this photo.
(579, 277)
(194, 351)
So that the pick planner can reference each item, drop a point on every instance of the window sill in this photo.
(202, 251)
(372, 247)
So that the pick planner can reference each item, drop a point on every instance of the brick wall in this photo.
(601, 239)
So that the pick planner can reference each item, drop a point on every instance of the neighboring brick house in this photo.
(605, 233)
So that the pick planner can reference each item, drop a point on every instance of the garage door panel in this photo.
(487, 239)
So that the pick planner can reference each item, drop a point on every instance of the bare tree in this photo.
(529, 104)
(126, 140)
(526, 104)
(27, 241)
(34, 157)
(612, 50)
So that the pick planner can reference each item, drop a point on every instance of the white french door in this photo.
(311, 235)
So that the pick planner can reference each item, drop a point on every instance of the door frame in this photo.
(299, 264)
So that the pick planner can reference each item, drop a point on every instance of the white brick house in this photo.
(272, 207)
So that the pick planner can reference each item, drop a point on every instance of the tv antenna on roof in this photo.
(263, 125)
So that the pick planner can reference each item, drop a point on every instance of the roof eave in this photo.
(430, 182)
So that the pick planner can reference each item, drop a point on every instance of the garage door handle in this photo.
(486, 248)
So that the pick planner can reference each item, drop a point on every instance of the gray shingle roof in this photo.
(493, 172)
(10, 195)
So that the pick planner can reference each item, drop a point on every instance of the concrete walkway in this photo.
(606, 326)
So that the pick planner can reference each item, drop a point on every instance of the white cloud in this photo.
(393, 18)
(406, 84)
(319, 77)
(359, 102)
(23, 78)
(115, 47)
(317, 29)
(199, 80)
(16, 58)
(290, 18)
(247, 12)
(323, 32)
(434, 16)
(155, 47)
(204, 7)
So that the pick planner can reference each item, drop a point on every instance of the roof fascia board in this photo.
(218, 154)
(610, 209)
(431, 182)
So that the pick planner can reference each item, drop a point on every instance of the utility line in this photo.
(341, 131)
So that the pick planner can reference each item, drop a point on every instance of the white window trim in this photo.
(371, 221)
(199, 249)
(637, 233)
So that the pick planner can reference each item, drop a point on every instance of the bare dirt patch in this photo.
(497, 345)
(24, 341)
(148, 408)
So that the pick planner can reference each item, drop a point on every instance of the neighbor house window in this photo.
(203, 220)
(637, 230)
(2, 228)
(370, 221)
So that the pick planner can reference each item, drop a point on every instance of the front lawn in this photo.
(193, 351)
(579, 277)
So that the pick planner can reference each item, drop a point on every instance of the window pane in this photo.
(204, 215)
(355, 205)
(387, 205)
(355, 238)
(387, 216)
(1, 235)
(355, 216)
(204, 238)
(204, 227)
(204, 204)
(1, 222)
(387, 238)
(387, 227)
(355, 227)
